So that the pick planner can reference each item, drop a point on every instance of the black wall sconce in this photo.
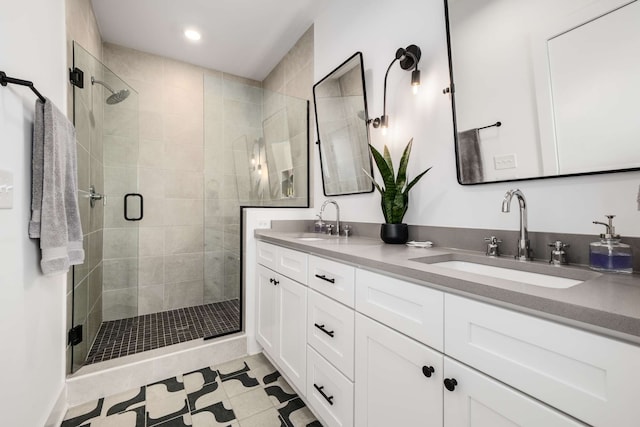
(409, 58)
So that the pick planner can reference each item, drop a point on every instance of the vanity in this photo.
(388, 335)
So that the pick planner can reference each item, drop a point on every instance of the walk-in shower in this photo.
(163, 245)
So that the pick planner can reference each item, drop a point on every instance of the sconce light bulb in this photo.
(415, 80)
(384, 131)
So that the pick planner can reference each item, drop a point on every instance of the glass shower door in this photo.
(105, 287)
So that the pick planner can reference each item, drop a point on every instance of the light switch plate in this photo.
(507, 161)
(6, 189)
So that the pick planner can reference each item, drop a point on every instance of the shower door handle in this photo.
(126, 203)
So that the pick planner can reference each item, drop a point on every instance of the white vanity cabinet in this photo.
(282, 313)
(380, 351)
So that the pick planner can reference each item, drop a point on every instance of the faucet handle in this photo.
(558, 255)
(329, 229)
(559, 245)
(493, 249)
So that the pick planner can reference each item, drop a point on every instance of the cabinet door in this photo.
(292, 340)
(267, 316)
(392, 386)
(587, 376)
(480, 401)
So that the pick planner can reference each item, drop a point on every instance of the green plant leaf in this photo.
(415, 181)
(373, 181)
(387, 157)
(404, 162)
(385, 171)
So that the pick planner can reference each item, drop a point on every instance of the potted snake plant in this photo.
(394, 193)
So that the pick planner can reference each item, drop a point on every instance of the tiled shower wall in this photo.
(82, 27)
(168, 162)
(172, 176)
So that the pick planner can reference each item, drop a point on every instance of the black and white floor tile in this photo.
(247, 392)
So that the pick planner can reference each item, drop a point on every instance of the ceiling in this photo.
(243, 37)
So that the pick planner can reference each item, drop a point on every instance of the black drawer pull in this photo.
(325, 278)
(321, 327)
(427, 371)
(327, 398)
(450, 383)
(274, 281)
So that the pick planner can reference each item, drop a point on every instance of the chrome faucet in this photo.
(524, 248)
(336, 230)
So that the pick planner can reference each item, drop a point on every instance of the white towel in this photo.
(55, 218)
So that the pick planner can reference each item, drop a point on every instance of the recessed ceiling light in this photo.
(192, 34)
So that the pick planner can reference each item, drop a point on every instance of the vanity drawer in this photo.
(329, 392)
(414, 310)
(330, 331)
(266, 254)
(582, 374)
(333, 279)
(292, 264)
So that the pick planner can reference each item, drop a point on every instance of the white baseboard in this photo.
(59, 409)
(115, 376)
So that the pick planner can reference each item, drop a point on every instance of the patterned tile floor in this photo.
(247, 392)
(141, 333)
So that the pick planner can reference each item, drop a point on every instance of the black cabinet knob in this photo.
(274, 281)
(427, 371)
(450, 383)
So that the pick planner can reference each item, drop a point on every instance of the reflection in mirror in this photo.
(560, 77)
(341, 117)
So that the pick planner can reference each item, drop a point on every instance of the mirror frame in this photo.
(451, 91)
(366, 122)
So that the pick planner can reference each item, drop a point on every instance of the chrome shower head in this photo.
(118, 97)
(115, 97)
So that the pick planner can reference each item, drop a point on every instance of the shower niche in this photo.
(173, 152)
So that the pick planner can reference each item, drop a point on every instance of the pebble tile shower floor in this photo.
(141, 333)
(247, 392)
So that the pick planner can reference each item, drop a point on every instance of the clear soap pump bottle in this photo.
(609, 254)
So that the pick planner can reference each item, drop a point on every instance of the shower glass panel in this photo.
(256, 154)
(106, 121)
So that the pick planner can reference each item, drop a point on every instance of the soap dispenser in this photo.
(609, 254)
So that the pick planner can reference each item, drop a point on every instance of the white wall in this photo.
(378, 28)
(31, 305)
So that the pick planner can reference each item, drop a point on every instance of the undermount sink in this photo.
(530, 273)
(309, 239)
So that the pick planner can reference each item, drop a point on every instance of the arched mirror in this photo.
(343, 135)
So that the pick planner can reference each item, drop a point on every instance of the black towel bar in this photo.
(4, 80)
(496, 124)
